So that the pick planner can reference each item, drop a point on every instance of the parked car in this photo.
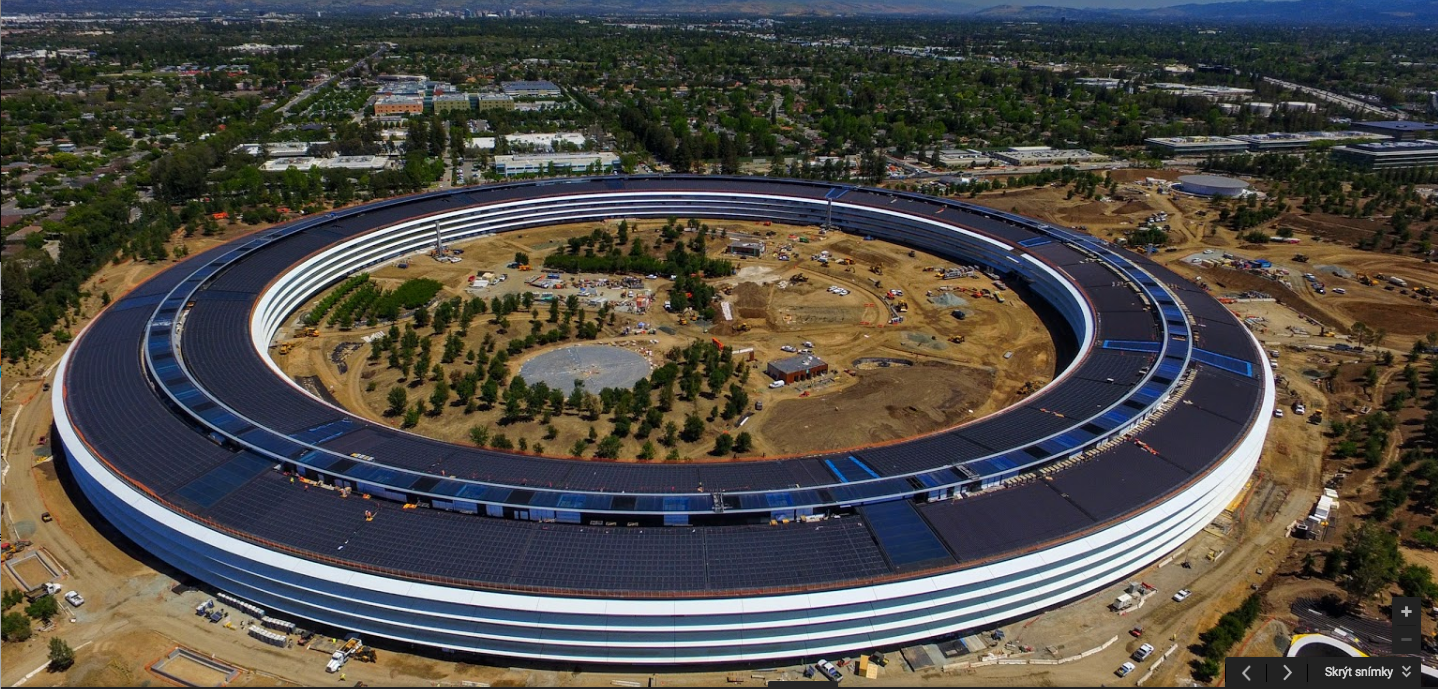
(1277, 413)
(1181, 595)
(1142, 653)
(776, 384)
(1124, 669)
(74, 598)
(1299, 409)
(829, 670)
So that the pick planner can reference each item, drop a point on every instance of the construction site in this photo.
(907, 338)
(887, 379)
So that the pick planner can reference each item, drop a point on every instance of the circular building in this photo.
(185, 436)
(1212, 185)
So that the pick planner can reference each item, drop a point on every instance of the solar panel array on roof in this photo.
(1127, 325)
(1226, 363)
(945, 448)
(985, 525)
(1117, 481)
(220, 481)
(1133, 345)
(430, 542)
(905, 537)
(1226, 338)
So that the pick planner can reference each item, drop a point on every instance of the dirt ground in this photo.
(936, 396)
(777, 311)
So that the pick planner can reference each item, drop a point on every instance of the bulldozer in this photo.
(901, 307)
(309, 331)
(11, 548)
(742, 328)
(1300, 258)
(957, 339)
(284, 348)
(1364, 279)
(876, 270)
(799, 277)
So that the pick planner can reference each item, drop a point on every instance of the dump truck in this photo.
(339, 657)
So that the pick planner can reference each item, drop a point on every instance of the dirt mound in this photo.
(751, 300)
(885, 404)
(1132, 208)
(1397, 319)
(858, 252)
(1335, 227)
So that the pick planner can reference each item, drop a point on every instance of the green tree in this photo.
(398, 400)
(1417, 581)
(693, 428)
(743, 442)
(43, 608)
(609, 447)
(671, 434)
(1371, 560)
(15, 627)
(479, 435)
(439, 397)
(722, 445)
(61, 655)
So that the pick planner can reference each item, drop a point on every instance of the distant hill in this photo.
(1356, 12)
(1330, 12)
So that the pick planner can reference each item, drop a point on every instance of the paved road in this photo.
(285, 109)
(920, 174)
(1373, 635)
(1331, 97)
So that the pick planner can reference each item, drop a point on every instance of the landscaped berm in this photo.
(595, 366)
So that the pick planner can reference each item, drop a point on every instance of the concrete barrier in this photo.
(995, 660)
